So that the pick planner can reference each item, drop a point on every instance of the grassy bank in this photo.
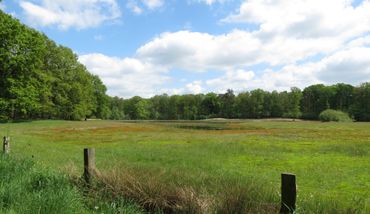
(170, 164)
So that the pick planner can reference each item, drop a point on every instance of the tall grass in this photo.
(155, 191)
(167, 193)
(28, 188)
(25, 188)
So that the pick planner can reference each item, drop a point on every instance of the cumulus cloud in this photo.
(305, 18)
(289, 34)
(350, 66)
(237, 80)
(66, 14)
(194, 87)
(126, 77)
(202, 51)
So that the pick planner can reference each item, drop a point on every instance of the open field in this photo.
(331, 160)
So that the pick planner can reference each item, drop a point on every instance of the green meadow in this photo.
(217, 166)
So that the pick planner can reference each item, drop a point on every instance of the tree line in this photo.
(306, 104)
(42, 80)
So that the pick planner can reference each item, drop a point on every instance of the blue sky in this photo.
(148, 47)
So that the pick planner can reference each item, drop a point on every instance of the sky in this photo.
(150, 47)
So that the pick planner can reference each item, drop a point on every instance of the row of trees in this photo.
(254, 104)
(307, 104)
(39, 79)
(343, 97)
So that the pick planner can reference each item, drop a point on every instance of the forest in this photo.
(43, 80)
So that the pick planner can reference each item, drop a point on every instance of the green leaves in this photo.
(39, 79)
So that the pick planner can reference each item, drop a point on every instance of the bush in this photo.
(333, 115)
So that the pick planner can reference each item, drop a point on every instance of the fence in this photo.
(288, 181)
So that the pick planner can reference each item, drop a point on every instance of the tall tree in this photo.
(343, 97)
(361, 105)
(293, 109)
(316, 98)
(227, 101)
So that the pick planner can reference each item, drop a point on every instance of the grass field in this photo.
(213, 159)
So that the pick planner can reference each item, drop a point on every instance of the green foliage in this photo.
(293, 106)
(116, 108)
(227, 101)
(333, 115)
(210, 105)
(315, 100)
(40, 79)
(361, 105)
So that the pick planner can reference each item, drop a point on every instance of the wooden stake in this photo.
(6, 145)
(288, 193)
(89, 164)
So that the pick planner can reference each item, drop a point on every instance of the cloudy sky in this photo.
(148, 47)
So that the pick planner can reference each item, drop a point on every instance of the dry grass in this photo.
(150, 192)
(154, 194)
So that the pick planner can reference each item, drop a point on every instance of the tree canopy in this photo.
(40, 79)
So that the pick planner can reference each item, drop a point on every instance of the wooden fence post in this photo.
(6, 145)
(89, 164)
(288, 193)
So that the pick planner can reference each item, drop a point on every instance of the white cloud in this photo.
(66, 14)
(350, 66)
(138, 6)
(289, 33)
(305, 18)
(126, 77)
(132, 5)
(195, 87)
(237, 80)
(298, 29)
(152, 4)
(202, 51)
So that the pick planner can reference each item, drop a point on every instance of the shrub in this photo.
(333, 115)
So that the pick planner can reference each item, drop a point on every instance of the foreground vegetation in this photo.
(25, 188)
(209, 166)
